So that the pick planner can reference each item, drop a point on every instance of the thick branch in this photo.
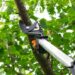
(23, 12)
(41, 59)
(44, 62)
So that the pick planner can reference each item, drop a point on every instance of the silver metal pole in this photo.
(57, 53)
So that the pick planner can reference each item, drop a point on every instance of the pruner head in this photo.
(35, 30)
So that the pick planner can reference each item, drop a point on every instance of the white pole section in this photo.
(55, 52)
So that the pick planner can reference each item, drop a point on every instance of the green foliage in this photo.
(15, 53)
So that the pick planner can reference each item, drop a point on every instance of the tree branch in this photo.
(23, 12)
(44, 63)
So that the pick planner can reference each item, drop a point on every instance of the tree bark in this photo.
(44, 63)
